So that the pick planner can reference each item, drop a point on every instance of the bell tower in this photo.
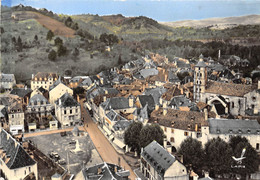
(200, 79)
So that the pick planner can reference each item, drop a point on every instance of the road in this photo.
(40, 133)
(103, 146)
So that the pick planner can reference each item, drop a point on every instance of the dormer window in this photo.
(239, 131)
(218, 131)
(248, 131)
(18, 110)
(230, 131)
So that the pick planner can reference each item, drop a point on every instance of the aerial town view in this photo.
(130, 90)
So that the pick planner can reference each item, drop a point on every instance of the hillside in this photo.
(217, 23)
(55, 26)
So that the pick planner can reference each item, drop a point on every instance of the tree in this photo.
(52, 55)
(62, 50)
(75, 52)
(150, 133)
(218, 155)
(58, 41)
(132, 136)
(78, 90)
(19, 44)
(192, 152)
(251, 161)
(36, 38)
(50, 35)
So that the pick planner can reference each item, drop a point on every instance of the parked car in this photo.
(54, 155)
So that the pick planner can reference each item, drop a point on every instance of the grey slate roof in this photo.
(18, 157)
(147, 99)
(206, 178)
(107, 172)
(121, 125)
(67, 101)
(21, 92)
(201, 63)
(116, 103)
(37, 98)
(158, 157)
(156, 93)
(182, 101)
(7, 77)
(148, 72)
(237, 126)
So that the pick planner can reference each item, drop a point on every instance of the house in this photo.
(67, 110)
(23, 93)
(43, 79)
(118, 104)
(177, 125)
(158, 164)
(16, 118)
(7, 81)
(226, 128)
(15, 163)
(104, 171)
(39, 106)
(59, 90)
(41, 91)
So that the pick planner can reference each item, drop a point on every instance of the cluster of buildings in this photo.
(201, 99)
(49, 103)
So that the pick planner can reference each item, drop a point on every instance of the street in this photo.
(103, 146)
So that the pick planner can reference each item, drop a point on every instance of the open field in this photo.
(55, 26)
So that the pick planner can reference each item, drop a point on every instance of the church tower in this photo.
(200, 79)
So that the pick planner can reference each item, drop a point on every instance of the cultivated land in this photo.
(55, 26)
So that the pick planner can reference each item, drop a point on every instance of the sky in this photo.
(160, 10)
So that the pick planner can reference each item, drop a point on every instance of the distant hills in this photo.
(217, 23)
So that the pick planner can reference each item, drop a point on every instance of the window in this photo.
(233, 104)
(76, 110)
(172, 139)
(65, 112)
(257, 146)
(172, 130)
(165, 129)
(186, 133)
(71, 111)
(253, 98)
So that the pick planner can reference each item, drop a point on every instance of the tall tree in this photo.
(192, 152)
(132, 136)
(218, 155)
(52, 55)
(150, 133)
(50, 35)
(58, 41)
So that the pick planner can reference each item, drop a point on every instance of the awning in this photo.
(107, 130)
(119, 143)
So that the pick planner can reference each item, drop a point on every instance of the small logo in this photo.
(239, 160)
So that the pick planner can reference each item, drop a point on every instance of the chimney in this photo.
(115, 169)
(78, 98)
(258, 87)
(219, 54)
(131, 101)
(164, 111)
(206, 114)
(32, 76)
(104, 98)
(164, 104)
(101, 80)
(59, 101)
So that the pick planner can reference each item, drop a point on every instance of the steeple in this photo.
(200, 79)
